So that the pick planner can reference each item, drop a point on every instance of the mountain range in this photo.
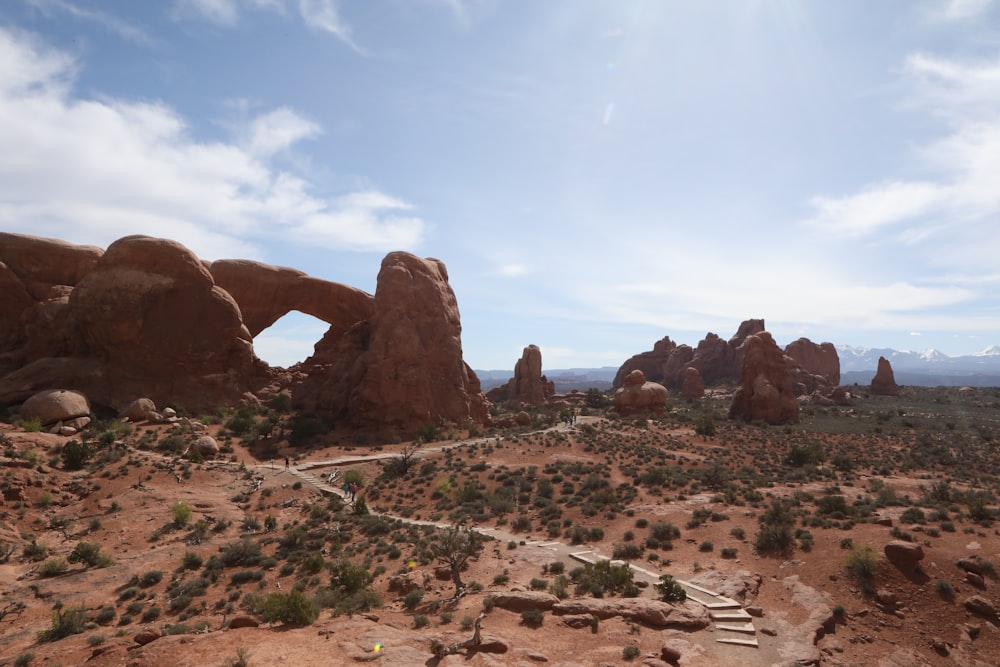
(929, 368)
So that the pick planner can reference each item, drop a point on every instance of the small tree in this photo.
(181, 512)
(670, 589)
(454, 547)
(776, 524)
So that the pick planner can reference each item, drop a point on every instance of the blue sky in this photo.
(596, 174)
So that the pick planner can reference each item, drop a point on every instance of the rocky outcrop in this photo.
(650, 363)
(403, 368)
(653, 613)
(638, 395)
(524, 600)
(716, 360)
(266, 293)
(884, 382)
(899, 552)
(528, 385)
(814, 366)
(765, 391)
(693, 386)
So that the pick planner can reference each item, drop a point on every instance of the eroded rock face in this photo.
(639, 396)
(765, 390)
(403, 368)
(884, 382)
(528, 384)
(650, 363)
(654, 613)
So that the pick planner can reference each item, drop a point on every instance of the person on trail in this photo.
(353, 488)
(286, 463)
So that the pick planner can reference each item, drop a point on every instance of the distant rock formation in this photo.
(693, 387)
(147, 318)
(403, 368)
(884, 382)
(765, 391)
(528, 384)
(715, 360)
(638, 395)
(814, 366)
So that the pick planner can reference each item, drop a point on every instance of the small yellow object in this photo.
(378, 647)
(411, 564)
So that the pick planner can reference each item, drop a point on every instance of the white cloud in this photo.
(962, 10)
(92, 171)
(223, 12)
(325, 15)
(876, 207)
(112, 23)
(278, 130)
(513, 270)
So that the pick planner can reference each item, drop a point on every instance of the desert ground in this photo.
(120, 546)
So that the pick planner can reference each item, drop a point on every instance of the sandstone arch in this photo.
(266, 293)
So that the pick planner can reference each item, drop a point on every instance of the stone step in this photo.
(731, 604)
(738, 641)
(585, 557)
(745, 627)
(721, 617)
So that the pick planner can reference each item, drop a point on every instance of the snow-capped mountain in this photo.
(929, 367)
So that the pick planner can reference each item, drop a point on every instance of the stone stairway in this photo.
(731, 621)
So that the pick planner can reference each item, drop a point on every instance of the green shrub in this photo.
(64, 623)
(670, 589)
(413, 598)
(944, 589)
(532, 618)
(75, 454)
(861, 563)
(292, 609)
(630, 652)
(52, 568)
(420, 621)
(181, 513)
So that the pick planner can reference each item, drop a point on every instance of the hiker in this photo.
(353, 488)
(286, 463)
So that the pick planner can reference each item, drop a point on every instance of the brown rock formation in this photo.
(528, 384)
(147, 318)
(639, 396)
(693, 386)
(403, 368)
(815, 367)
(650, 363)
(765, 390)
(715, 359)
(884, 382)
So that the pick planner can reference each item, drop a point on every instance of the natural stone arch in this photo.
(278, 343)
(266, 293)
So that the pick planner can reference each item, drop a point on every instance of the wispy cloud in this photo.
(95, 170)
(963, 10)
(324, 15)
(110, 22)
(876, 207)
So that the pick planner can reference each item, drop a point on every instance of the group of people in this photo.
(569, 417)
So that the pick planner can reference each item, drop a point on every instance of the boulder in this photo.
(693, 386)
(141, 409)
(55, 405)
(639, 396)
(765, 389)
(205, 446)
(884, 382)
(243, 621)
(147, 635)
(981, 606)
(411, 581)
(524, 600)
(900, 552)
(653, 613)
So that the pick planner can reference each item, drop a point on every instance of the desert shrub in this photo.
(600, 578)
(413, 598)
(670, 589)
(728, 552)
(245, 577)
(913, 515)
(244, 553)
(775, 535)
(241, 422)
(151, 614)
(630, 652)
(75, 454)
(532, 618)
(861, 563)
(90, 555)
(628, 551)
(556, 567)
(190, 561)
(706, 546)
(704, 425)
(292, 608)
(664, 531)
(64, 623)
(944, 589)
(538, 584)
(738, 533)
(105, 615)
(24, 659)
(421, 621)
(181, 513)
(52, 568)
